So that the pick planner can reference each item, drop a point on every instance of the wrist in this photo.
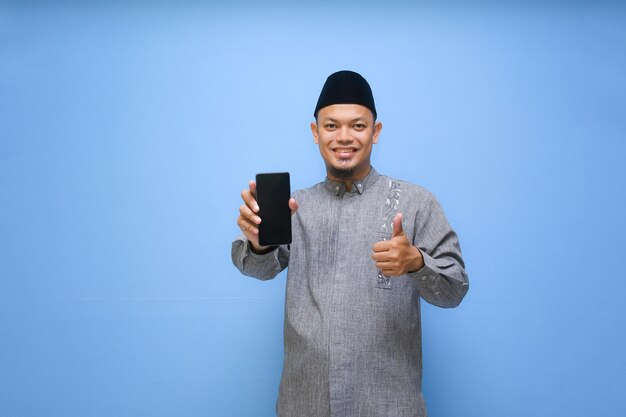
(418, 260)
(261, 250)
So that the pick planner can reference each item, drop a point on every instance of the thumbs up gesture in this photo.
(396, 257)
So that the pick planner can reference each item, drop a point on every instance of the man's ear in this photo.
(378, 126)
(314, 131)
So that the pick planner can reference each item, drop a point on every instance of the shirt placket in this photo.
(339, 351)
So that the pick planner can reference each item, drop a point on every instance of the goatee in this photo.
(340, 174)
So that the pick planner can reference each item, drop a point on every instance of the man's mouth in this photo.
(345, 152)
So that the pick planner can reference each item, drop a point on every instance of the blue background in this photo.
(127, 132)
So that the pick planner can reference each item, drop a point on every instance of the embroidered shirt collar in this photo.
(358, 186)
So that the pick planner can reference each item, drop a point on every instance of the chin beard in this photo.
(342, 174)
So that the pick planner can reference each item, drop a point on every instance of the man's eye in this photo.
(359, 126)
(330, 125)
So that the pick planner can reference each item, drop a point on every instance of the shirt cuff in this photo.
(261, 266)
(427, 278)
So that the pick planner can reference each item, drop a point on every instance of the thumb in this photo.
(397, 226)
(293, 205)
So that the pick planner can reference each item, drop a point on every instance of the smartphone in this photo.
(273, 192)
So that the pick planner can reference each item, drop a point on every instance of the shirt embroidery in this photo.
(392, 203)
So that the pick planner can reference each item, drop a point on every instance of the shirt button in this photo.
(424, 278)
(337, 188)
(359, 185)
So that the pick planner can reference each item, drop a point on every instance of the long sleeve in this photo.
(263, 267)
(442, 281)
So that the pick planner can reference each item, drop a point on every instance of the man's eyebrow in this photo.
(358, 119)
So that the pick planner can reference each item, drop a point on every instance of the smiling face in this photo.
(345, 134)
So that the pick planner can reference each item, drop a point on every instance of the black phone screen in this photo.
(272, 194)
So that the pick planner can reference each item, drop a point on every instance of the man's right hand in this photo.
(248, 220)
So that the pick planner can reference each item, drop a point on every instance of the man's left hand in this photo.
(396, 257)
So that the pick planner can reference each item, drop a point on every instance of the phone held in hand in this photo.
(273, 192)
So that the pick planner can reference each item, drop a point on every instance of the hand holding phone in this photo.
(249, 217)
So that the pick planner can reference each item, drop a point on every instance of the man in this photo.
(365, 249)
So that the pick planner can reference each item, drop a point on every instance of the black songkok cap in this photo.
(346, 87)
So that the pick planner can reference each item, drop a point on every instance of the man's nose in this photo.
(345, 135)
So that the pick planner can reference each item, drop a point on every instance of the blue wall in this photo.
(128, 131)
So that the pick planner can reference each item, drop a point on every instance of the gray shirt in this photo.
(352, 335)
